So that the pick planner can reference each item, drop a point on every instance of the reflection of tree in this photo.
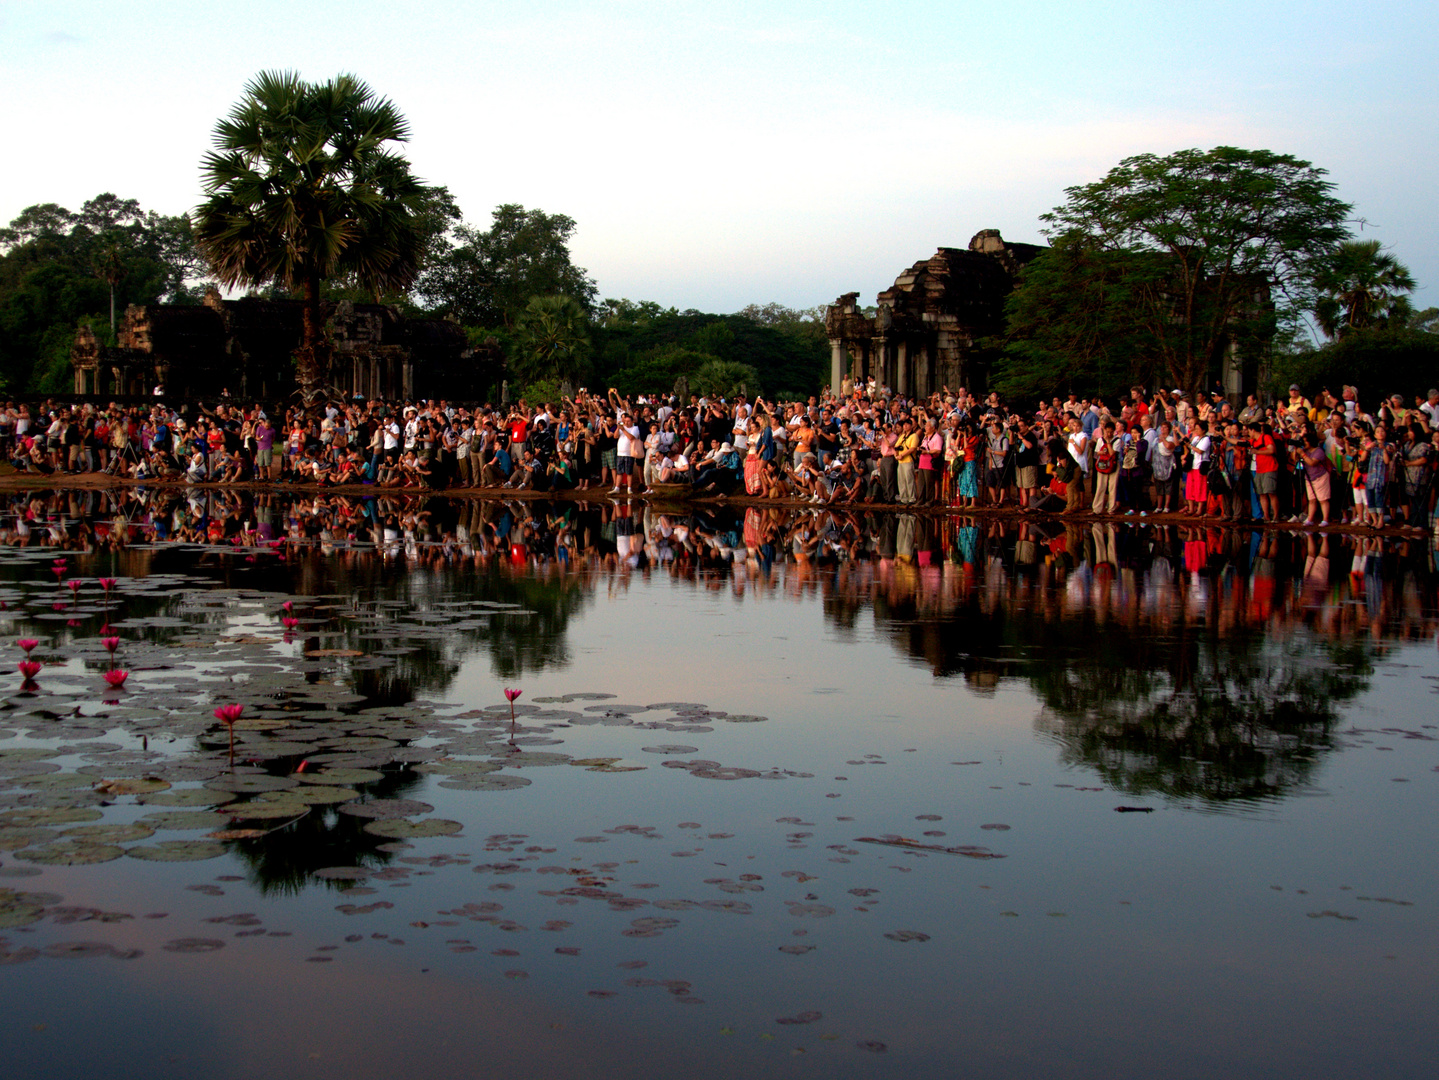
(1177, 709)
(283, 861)
(1215, 718)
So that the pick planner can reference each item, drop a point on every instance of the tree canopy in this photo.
(1176, 259)
(487, 277)
(59, 268)
(304, 187)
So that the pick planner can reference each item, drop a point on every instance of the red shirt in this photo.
(1265, 463)
(518, 430)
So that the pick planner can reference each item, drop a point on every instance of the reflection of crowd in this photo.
(931, 566)
(1319, 461)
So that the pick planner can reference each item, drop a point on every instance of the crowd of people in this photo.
(1323, 461)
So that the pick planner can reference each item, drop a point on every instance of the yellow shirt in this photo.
(907, 446)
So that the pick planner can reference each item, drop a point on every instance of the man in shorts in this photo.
(1266, 471)
(629, 452)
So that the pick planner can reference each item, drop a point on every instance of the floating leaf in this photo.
(177, 851)
(403, 829)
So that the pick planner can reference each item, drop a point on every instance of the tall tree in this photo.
(1362, 286)
(1069, 322)
(1243, 235)
(304, 186)
(488, 277)
(60, 268)
(553, 339)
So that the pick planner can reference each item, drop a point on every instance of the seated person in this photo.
(674, 468)
(496, 472)
(721, 469)
(524, 473)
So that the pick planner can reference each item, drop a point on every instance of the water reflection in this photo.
(1198, 663)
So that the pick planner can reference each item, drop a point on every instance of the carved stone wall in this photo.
(926, 330)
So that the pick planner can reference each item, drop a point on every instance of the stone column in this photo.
(882, 373)
(836, 364)
(902, 363)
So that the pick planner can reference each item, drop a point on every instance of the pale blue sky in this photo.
(715, 155)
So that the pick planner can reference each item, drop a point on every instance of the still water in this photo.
(1166, 799)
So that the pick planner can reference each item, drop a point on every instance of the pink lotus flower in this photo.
(27, 643)
(110, 643)
(287, 606)
(107, 583)
(29, 669)
(227, 715)
(289, 622)
(74, 584)
(58, 606)
(116, 678)
(511, 695)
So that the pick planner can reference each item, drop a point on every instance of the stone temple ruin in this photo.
(926, 331)
(245, 346)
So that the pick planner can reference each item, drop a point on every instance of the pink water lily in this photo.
(27, 643)
(107, 583)
(74, 585)
(289, 622)
(29, 669)
(287, 606)
(511, 695)
(110, 643)
(227, 715)
(116, 678)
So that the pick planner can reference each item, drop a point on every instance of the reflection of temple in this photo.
(245, 346)
(927, 329)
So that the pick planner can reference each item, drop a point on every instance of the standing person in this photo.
(1026, 464)
(1378, 458)
(1266, 470)
(629, 450)
(1316, 479)
(888, 464)
(1077, 446)
(1196, 483)
(265, 468)
(996, 461)
(1106, 470)
(931, 454)
(906, 449)
(1165, 466)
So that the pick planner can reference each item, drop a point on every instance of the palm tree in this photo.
(302, 187)
(1363, 286)
(553, 338)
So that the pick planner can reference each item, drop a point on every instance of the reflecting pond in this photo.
(780, 794)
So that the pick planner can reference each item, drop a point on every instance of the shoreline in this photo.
(15, 481)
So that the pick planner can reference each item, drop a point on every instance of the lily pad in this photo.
(110, 834)
(386, 809)
(187, 797)
(342, 777)
(404, 829)
(177, 851)
(251, 783)
(71, 853)
(185, 819)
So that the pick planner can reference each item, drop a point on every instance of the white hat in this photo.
(726, 448)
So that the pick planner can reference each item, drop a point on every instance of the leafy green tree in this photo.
(725, 378)
(552, 340)
(304, 187)
(60, 268)
(1069, 324)
(1242, 235)
(485, 278)
(1362, 286)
